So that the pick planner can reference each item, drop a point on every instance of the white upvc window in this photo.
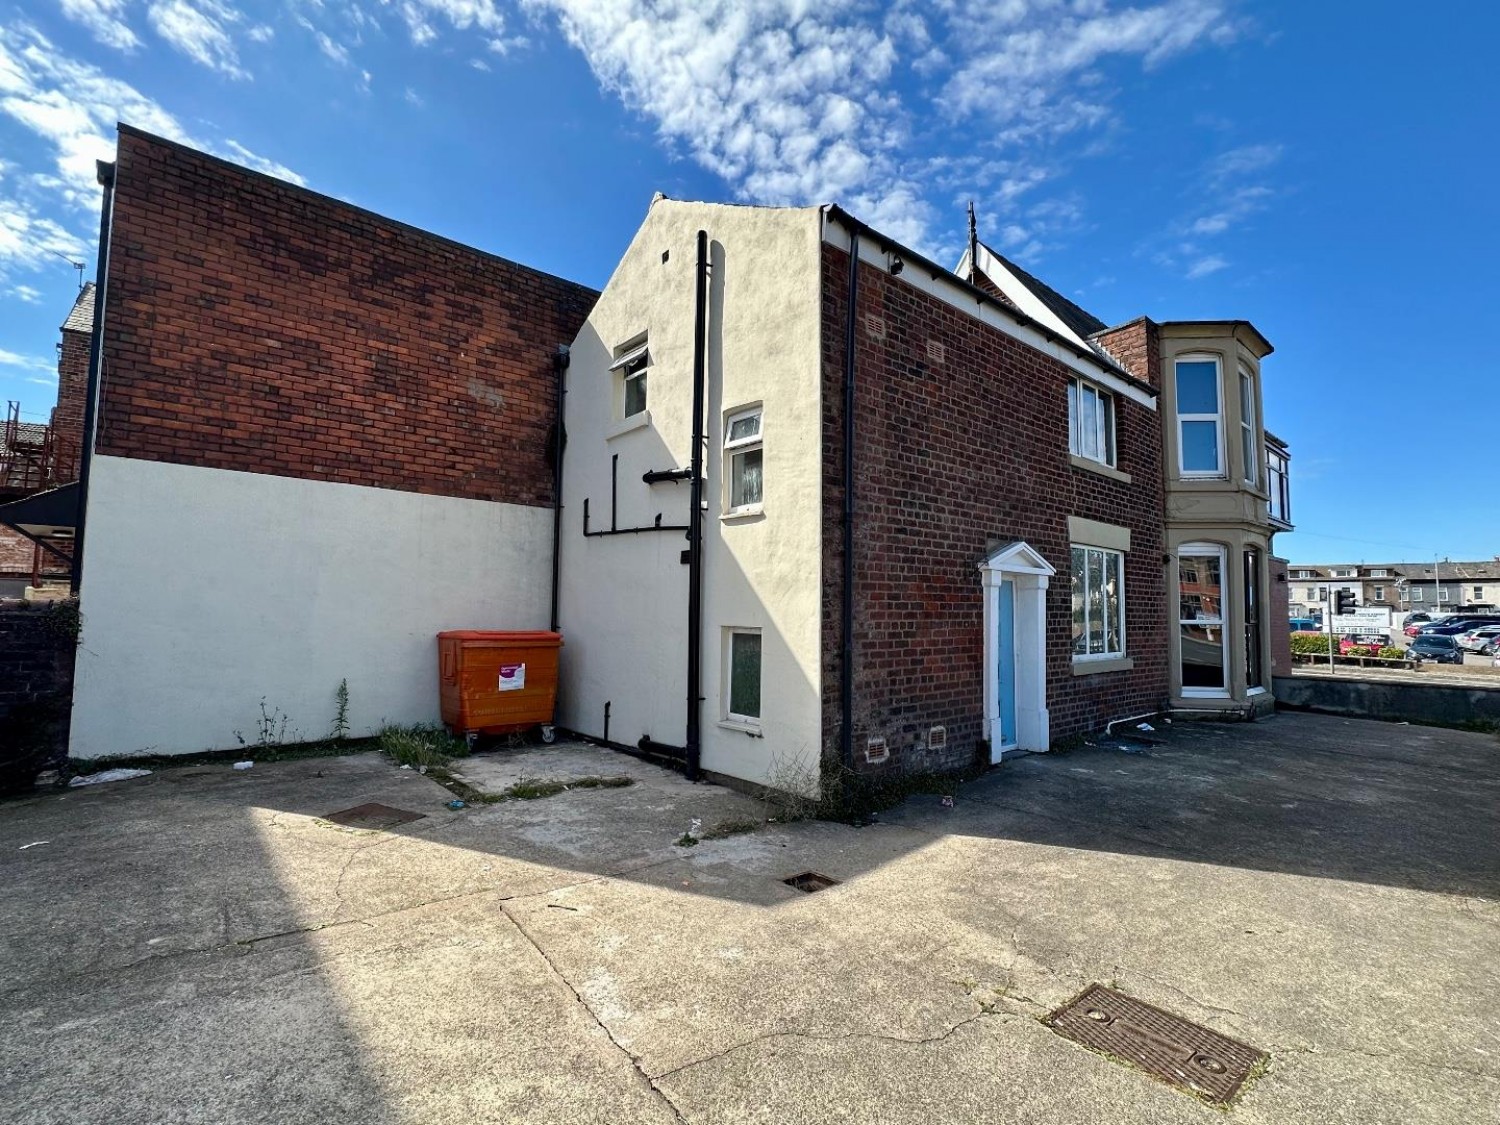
(1098, 603)
(1201, 587)
(1379, 573)
(630, 365)
(1379, 594)
(1248, 443)
(1200, 417)
(742, 676)
(1416, 593)
(1091, 422)
(744, 461)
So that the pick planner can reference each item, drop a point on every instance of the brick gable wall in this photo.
(67, 415)
(259, 327)
(952, 459)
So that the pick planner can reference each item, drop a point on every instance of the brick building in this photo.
(926, 512)
(37, 457)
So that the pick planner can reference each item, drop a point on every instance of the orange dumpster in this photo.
(498, 683)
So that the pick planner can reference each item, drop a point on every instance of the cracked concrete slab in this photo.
(199, 946)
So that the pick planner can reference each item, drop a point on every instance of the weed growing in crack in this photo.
(421, 746)
(270, 728)
(341, 712)
(735, 826)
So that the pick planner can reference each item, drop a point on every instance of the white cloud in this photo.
(795, 102)
(326, 43)
(25, 362)
(25, 293)
(104, 20)
(200, 31)
(1212, 263)
(72, 108)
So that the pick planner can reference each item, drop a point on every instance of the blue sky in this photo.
(1329, 178)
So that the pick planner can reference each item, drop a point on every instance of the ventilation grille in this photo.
(875, 325)
(876, 750)
(937, 352)
(937, 738)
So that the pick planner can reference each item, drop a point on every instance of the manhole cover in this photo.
(811, 882)
(1165, 1046)
(373, 816)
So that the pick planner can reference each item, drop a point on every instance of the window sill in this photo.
(1089, 666)
(744, 515)
(1098, 467)
(625, 425)
(741, 725)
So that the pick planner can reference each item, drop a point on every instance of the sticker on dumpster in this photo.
(512, 677)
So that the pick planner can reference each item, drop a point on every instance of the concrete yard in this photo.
(200, 946)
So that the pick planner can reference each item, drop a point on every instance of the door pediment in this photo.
(1017, 557)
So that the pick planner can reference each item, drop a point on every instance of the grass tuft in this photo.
(419, 745)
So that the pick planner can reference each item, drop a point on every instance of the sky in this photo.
(1329, 178)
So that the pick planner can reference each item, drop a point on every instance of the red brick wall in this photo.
(1279, 606)
(256, 326)
(67, 415)
(1137, 348)
(953, 458)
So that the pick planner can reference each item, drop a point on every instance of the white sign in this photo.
(512, 677)
(1367, 620)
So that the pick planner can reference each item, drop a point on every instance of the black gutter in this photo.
(890, 245)
(106, 176)
(695, 518)
(560, 360)
(846, 661)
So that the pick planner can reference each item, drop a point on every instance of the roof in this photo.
(81, 319)
(30, 433)
(1078, 319)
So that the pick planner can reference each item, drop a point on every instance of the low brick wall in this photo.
(1443, 704)
(38, 644)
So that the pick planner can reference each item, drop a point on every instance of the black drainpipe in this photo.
(560, 360)
(106, 175)
(846, 664)
(695, 519)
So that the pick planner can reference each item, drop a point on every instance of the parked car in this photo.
(1481, 639)
(1303, 625)
(1413, 627)
(1436, 648)
(1456, 626)
(1418, 618)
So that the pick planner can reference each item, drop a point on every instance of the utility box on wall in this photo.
(498, 683)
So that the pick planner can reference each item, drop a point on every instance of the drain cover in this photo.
(378, 817)
(811, 882)
(1168, 1047)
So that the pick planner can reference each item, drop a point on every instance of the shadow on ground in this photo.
(200, 945)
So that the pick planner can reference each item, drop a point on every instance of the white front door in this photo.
(1015, 649)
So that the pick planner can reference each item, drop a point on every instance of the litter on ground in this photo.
(106, 775)
(243, 765)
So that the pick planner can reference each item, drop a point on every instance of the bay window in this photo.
(1200, 619)
(1200, 418)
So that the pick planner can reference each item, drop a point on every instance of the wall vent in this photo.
(937, 351)
(937, 738)
(875, 325)
(876, 750)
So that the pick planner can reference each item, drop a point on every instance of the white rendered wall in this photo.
(624, 598)
(205, 590)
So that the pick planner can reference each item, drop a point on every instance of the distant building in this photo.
(1400, 587)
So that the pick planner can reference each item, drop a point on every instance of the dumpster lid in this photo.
(534, 638)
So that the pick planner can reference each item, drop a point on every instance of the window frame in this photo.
(1220, 552)
(1378, 593)
(730, 715)
(1106, 412)
(1123, 651)
(1249, 441)
(632, 361)
(1252, 598)
(1221, 472)
(732, 449)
